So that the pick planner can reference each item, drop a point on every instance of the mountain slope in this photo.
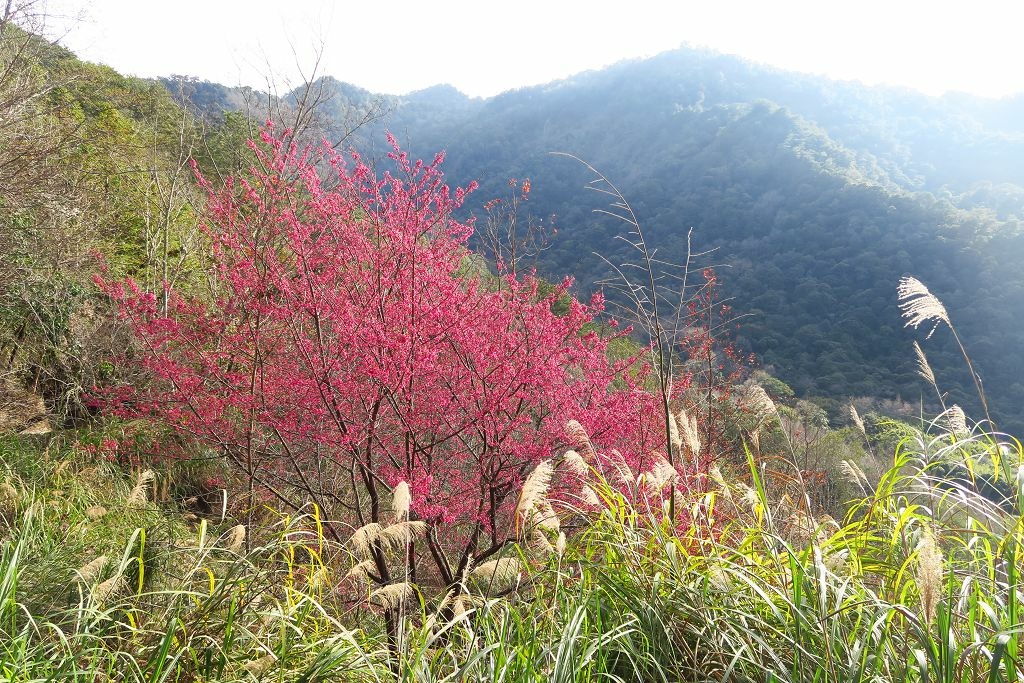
(817, 195)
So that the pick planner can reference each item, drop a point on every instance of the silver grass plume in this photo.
(400, 500)
(673, 432)
(919, 305)
(956, 422)
(262, 666)
(361, 570)
(8, 496)
(88, 572)
(622, 470)
(923, 367)
(364, 537)
(761, 403)
(589, 497)
(855, 475)
(463, 603)
(691, 434)
(108, 588)
(535, 490)
(661, 475)
(545, 517)
(580, 439)
(716, 476)
(560, 544)
(398, 536)
(575, 463)
(234, 538)
(929, 574)
(857, 420)
(500, 572)
(538, 542)
(138, 497)
(392, 596)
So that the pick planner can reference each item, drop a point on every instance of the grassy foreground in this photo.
(920, 582)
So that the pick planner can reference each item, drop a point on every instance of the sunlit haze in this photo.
(484, 48)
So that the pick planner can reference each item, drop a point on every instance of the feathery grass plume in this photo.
(691, 434)
(857, 420)
(761, 403)
(138, 497)
(956, 422)
(855, 475)
(234, 538)
(364, 537)
(750, 498)
(8, 497)
(589, 497)
(393, 595)
(755, 439)
(661, 475)
(500, 572)
(398, 536)
(673, 432)
(929, 574)
(465, 603)
(400, 500)
(262, 666)
(88, 572)
(560, 544)
(622, 470)
(109, 588)
(361, 570)
(802, 527)
(923, 367)
(919, 305)
(545, 516)
(535, 490)
(716, 476)
(95, 512)
(578, 437)
(538, 542)
(575, 463)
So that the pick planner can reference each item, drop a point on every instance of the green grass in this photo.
(752, 589)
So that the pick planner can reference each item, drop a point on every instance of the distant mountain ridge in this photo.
(818, 194)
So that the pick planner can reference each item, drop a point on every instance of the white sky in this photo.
(484, 47)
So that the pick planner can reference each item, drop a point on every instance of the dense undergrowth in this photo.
(920, 581)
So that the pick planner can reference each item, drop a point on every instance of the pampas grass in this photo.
(262, 666)
(690, 432)
(919, 305)
(533, 493)
(401, 498)
(361, 570)
(579, 438)
(138, 496)
(575, 463)
(362, 539)
(88, 572)
(500, 573)
(393, 595)
(929, 574)
(398, 536)
(235, 538)
(108, 589)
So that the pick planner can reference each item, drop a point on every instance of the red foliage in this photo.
(343, 351)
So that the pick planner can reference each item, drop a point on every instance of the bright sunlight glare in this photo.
(484, 48)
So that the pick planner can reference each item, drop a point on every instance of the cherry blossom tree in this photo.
(345, 351)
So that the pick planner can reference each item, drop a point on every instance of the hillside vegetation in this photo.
(274, 410)
(817, 195)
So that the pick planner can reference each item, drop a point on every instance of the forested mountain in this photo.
(817, 196)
